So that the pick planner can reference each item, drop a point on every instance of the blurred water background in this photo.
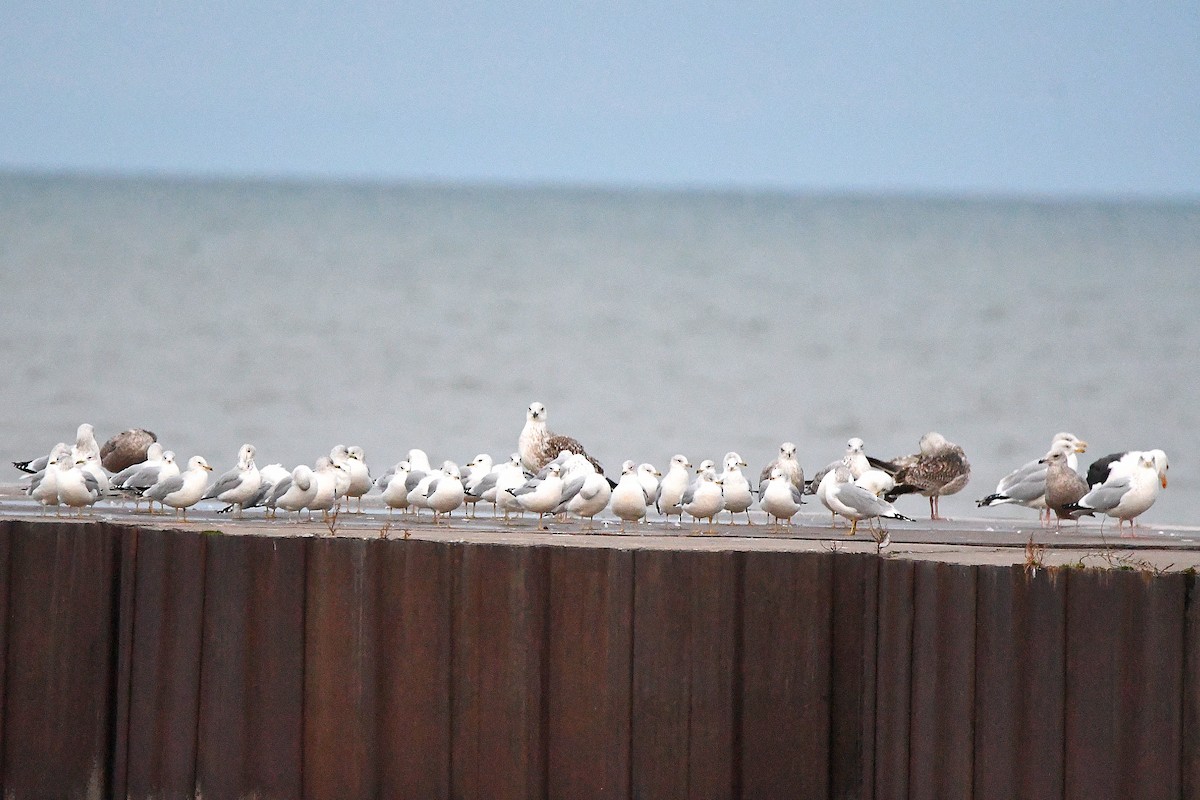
(300, 315)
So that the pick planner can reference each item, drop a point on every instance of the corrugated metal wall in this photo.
(165, 664)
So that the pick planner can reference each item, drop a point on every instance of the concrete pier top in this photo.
(1002, 538)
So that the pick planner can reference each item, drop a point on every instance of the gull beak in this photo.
(1081, 447)
(1164, 481)
(207, 467)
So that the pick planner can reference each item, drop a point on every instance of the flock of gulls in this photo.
(553, 475)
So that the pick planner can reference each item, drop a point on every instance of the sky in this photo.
(1015, 98)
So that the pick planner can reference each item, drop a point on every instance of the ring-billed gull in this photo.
(649, 477)
(1026, 485)
(855, 459)
(735, 489)
(785, 461)
(940, 468)
(360, 475)
(847, 499)
(126, 449)
(134, 481)
(184, 490)
(541, 495)
(326, 475)
(85, 445)
(445, 492)
(393, 489)
(586, 495)
(1063, 486)
(672, 486)
(538, 445)
(44, 487)
(237, 486)
(473, 473)
(418, 493)
(1127, 493)
(779, 497)
(294, 492)
(703, 500)
(77, 487)
(629, 498)
(510, 476)
(269, 477)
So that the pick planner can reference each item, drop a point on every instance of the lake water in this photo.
(299, 315)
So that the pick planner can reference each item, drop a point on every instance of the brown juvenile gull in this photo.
(126, 449)
(1026, 485)
(539, 446)
(1063, 485)
(940, 468)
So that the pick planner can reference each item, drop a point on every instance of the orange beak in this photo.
(1164, 481)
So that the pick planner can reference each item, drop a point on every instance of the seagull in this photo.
(541, 495)
(510, 476)
(138, 478)
(294, 492)
(1099, 470)
(855, 459)
(1026, 485)
(326, 475)
(85, 444)
(672, 487)
(126, 449)
(848, 499)
(940, 468)
(270, 476)
(1127, 492)
(779, 496)
(786, 461)
(538, 445)
(44, 487)
(340, 456)
(735, 489)
(360, 475)
(703, 500)
(184, 490)
(77, 486)
(586, 495)
(649, 477)
(237, 486)
(418, 486)
(1063, 485)
(476, 470)
(395, 494)
(629, 498)
(445, 492)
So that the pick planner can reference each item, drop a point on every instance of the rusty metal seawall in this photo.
(168, 664)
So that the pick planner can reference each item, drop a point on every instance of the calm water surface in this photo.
(297, 316)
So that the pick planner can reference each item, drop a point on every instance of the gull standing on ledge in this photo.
(779, 496)
(538, 445)
(182, 491)
(940, 468)
(1026, 485)
(239, 485)
(1128, 492)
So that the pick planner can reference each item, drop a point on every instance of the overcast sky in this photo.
(1031, 97)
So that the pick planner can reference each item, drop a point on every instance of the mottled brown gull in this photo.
(538, 445)
(940, 468)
